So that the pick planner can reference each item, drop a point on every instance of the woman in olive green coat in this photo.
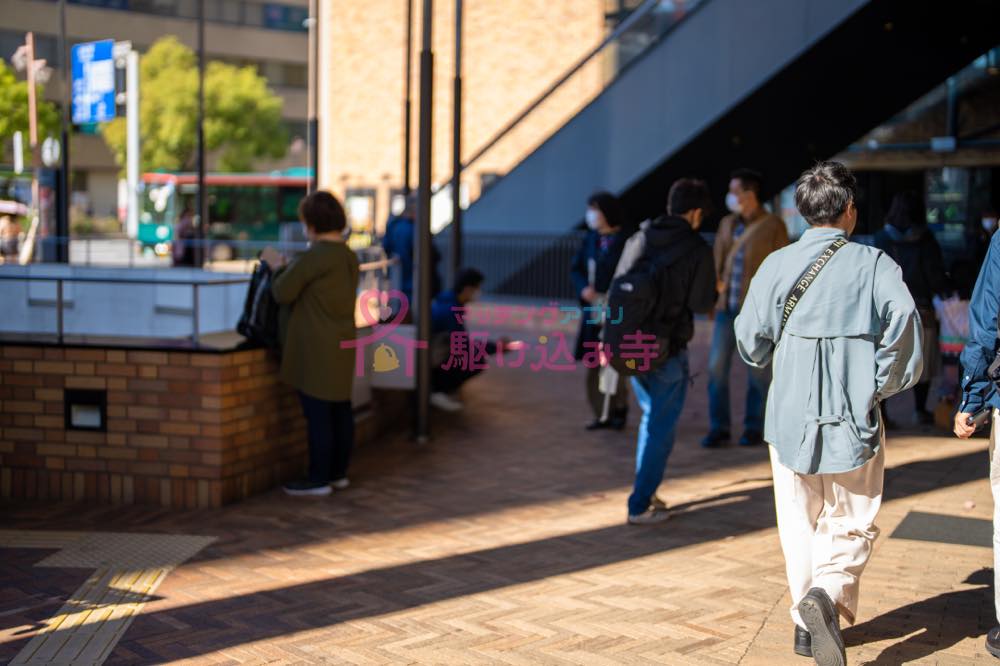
(320, 286)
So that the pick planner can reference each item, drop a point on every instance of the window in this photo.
(284, 17)
(161, 7)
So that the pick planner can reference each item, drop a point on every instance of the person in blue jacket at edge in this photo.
(979, 393)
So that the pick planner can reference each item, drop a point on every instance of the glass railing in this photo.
(565, 97)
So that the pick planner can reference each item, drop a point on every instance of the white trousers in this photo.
(826, 523)
(995, 488)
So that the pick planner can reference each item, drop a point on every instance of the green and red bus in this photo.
(244, 210)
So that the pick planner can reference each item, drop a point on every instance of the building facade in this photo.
(268, 35)
(513, 50)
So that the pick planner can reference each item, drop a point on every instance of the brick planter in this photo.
(184, 429)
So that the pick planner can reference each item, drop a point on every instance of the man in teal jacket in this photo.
(852, 340)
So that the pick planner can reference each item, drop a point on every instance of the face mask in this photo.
(733, 203)
(989, 223)
(591, 217)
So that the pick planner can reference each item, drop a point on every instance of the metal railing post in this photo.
(59, 310)
(195, 334)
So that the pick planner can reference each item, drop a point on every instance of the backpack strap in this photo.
(806, 279)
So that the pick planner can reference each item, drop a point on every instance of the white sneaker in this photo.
(306, 489)
(445, 402)
(341, 484)
(650, 516)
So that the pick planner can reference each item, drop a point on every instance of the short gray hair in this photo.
(823, 192)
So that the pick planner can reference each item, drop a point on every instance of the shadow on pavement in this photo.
(205, 627)
(941, 622)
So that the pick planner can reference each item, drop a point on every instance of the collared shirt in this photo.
(853, 340)
(735, 286)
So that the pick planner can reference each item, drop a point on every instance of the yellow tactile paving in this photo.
(128, 569)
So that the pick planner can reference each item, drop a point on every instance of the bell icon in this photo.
(385, 359)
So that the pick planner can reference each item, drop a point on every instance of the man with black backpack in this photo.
(666, 273)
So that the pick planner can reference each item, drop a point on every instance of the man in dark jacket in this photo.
(687, 286)
(906, 238)
(398, 242)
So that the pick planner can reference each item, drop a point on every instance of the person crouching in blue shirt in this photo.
(447, 318)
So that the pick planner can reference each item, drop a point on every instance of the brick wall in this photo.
(512, 51)
(184, 429)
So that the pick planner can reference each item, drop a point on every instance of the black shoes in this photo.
(993, 642)
(803, 644)
(715, 439)
(615, 422)
(820, 617)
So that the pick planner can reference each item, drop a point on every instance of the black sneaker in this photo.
(820, 617)
(993, 642)
(751, 438)
(715, 439)
(803, 644)
(306, 489)
(618, 419)
(598, 424)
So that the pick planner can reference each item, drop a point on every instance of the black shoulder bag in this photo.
(806, 279)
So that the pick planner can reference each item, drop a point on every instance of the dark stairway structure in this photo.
(770, 84)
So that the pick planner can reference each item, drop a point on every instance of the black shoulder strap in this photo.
(807, 278)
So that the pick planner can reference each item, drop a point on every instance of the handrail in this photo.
(623, 27)
(638, 14)
(110, 280)
(194, 285)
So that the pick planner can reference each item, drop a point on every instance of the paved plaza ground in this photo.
(501, 542)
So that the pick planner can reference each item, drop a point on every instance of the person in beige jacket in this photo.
(744, 239)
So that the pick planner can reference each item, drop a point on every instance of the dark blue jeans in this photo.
(331, 437)
(660, 395)
(720, 363)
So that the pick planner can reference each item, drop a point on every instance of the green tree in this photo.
(14, 112)
(242, 116)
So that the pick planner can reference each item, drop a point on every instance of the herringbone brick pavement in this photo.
(503, 542)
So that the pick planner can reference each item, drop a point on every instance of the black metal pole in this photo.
(423, 266)
(456, 150)
(200, 234)
(408, 102)
(312, 130)
(62, 212)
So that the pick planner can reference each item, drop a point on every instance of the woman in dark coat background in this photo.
(906, 238)
(592, 270)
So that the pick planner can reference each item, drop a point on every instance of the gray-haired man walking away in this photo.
(843, 334)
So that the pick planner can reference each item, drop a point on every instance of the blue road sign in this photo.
(93, 82)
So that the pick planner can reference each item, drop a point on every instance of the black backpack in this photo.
(259, 321)
(635, 308)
